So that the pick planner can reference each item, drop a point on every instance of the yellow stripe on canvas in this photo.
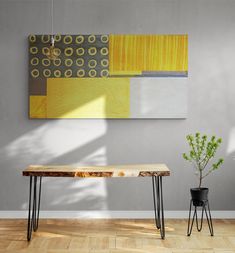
(137, 53)
(37, 105)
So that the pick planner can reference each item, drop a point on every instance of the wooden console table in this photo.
(35, 172)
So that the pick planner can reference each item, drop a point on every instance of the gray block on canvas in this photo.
(158, 97)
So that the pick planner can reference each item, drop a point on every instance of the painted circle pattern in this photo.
(81, 73)
(46, 62)
(92, 63)
(47, 72)
(68, 51)
(34, 61)
(33, 50)
(35, 73)
(104, 38)
(68, 39)
(92, 73)
(57, 73)
(45, 38)
(104, 51)
(57, 51)
(104, 62)
(68, 73)
(57, 62)
(80, 62)
(92, 51)
(45, 50)
(104, 73)
(57, 38)
(68, 62)
(92, 58)
(80, 51)
(91, 39)
(32, 38)
(79, 39)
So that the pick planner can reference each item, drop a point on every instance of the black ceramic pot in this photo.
(199, 196)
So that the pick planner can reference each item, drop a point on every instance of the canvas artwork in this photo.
(108, 76)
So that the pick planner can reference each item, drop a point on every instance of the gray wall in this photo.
(210, 25)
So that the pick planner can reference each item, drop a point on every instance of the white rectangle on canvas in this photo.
(158, 97)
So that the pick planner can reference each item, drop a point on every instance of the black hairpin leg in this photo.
(158, 204)
(34, 205)
(205, 205)
(209, 220)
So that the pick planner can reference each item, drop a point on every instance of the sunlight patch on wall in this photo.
(231, 142)
(54, 139)
(98, 157)
(85, 190)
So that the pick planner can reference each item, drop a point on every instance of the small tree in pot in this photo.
(202, 150)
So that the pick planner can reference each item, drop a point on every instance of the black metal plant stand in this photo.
(158, 204)
(34, 201)
(205, 208)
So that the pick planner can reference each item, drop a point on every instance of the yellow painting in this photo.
(93, 76)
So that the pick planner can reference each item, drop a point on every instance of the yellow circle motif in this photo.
(46, 62)
(68, 62)
(105, 62)
(79, 39)
(57, 73)
(92, 63)
(80, 62)
(91, 39)
(45, 50)
(35, 73)
(68, 39)
(33, 50)
(68, 73)
(104, 51)
(46, 72)
(32, 38)
(92, 51)
(80, 51)
(34, 61)
(104, 73)
(45, 38)
(57, 37)
(104, 38)
(57, 51)
(57, 62)
(68, 51)
(92, 73)
(81, 73)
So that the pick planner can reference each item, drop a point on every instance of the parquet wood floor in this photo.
(115, 236)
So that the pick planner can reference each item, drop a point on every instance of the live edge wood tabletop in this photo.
(137, 170)
(35, 172)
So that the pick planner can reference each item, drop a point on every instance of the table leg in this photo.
(34, 205)
(158, 204)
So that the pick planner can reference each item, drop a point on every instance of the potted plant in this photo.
(202, 151)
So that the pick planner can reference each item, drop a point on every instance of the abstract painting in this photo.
(108, 76)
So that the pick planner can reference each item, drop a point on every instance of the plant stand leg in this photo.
(200, 228)
(189, 231)
(209, 220)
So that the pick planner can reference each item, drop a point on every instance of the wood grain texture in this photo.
(138, 170)
(115, 236)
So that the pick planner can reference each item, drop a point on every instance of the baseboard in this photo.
(111, 214)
